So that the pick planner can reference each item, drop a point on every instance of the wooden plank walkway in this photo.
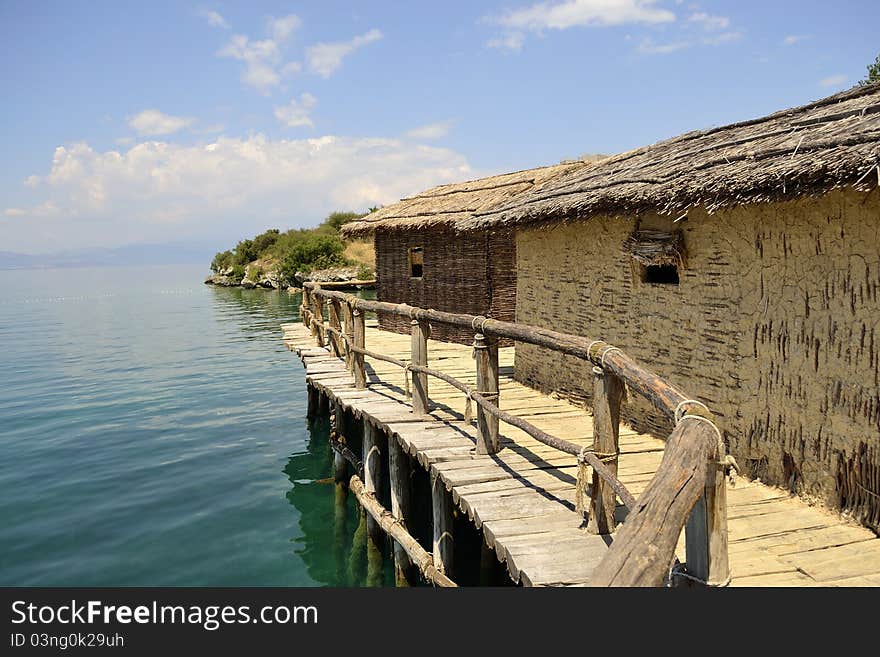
(523, 497)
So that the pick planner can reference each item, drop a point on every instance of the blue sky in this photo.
(131, 122)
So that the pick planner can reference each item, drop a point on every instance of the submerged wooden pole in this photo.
(419, 557)
(360, 374)
(608, 392)
(486, 355)
(399, 471)
(340, 464)
(313, 400)
(706, 529)
(372, 458)
(441, 510)
(419, 356)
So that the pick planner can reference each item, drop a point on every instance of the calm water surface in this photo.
(153, 432)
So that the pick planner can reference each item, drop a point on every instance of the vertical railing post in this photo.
(334, 323)
(360, 374)
(349, 333)
(706, 529)
(608, 392)
(486, 355)
(306, 310)
(419, 356)
(318, 303)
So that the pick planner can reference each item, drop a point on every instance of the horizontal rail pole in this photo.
(662, 394)
(391, 526)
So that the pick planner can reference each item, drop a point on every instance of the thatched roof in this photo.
(831, 143)
(449, 205)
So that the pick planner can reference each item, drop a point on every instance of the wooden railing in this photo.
(688, 490)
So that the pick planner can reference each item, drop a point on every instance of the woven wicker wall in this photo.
(471, 273)
(773, 325)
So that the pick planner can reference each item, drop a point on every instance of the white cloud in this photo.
(650, 47)
(792, 39)
(709, 22)
(280, 29)
(435, 130)
(579, 13)
(263, 58)
(513, 41)
(833, 80)
(572, 13)
(214, 19)
(14, 212)
(152, 122)
(296, 113)
(260, 58)
(325, 58)
(291, 68)
(230, 186)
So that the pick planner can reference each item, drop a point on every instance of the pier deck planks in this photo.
(523, 497)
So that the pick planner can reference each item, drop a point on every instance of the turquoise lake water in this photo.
(153, 433)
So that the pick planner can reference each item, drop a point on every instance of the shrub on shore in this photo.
(296, 250)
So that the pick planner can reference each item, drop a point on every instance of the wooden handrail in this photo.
(661, 393)
(642, 550)
(688, 487)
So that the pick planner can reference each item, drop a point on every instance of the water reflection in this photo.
(332, 530)
(333, 544)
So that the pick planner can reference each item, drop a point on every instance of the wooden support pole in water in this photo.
(313, 400)
(340, 464)
(399, 471)
(334, 323)
(360, 374)
(441, 510)
(486, 355)
(419, 557)
(372, 458)
(608, 392)
(706, 529)
(419, 356)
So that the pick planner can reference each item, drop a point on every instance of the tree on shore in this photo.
(873, 73)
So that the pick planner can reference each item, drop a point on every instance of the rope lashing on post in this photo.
(679, 570)
(468, 403)
(680, 410)
(581, 484)
(607, 351)
(727, 462)
(406, 370)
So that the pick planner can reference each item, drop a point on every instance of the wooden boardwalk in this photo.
(522, 498)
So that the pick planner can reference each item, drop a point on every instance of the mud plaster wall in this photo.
(473, 273)
(775, 325)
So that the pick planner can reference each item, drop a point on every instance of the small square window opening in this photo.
(662, 274)
(416, 262)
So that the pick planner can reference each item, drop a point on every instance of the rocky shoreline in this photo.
(274, 281)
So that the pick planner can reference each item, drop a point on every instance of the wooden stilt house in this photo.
(741, 263)
(422, 260)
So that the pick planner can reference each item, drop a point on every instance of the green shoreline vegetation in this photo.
(276, 259)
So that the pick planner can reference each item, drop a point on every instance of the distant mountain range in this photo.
(133, 254)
